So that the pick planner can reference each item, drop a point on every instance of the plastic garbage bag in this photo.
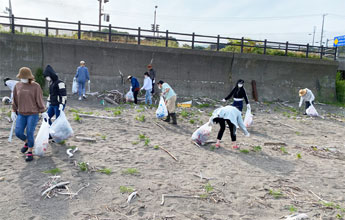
(311, 111)
(74, 86)
(129, 96)
(248, 118)
(202, 134)
(42, 139)
(61, 130)
(162, 110)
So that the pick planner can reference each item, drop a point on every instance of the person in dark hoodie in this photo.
(57, 98)
(239, 94)
(135, 87)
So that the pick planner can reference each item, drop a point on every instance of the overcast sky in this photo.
(275, 20)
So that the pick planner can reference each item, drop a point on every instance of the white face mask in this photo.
(24, 80)
(48, 78)
(240, 85)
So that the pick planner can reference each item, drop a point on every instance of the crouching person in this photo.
(232, 116)
(170, 100)
(308, 97)
(57, 99)
(27, 104)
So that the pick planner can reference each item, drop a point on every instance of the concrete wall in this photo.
(189, 72)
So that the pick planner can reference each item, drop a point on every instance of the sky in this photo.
(274, 20)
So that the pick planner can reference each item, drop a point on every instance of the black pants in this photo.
(307, 104)
(153, 88)
(232, 128)
(135, 94)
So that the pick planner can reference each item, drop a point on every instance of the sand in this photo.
(269, 183)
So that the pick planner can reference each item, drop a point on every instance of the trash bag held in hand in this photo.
(61, 129)
(74, 86)
(129, 96)
(202, 134)
(311, 111)
(42, 139)
(248, 119)
(162, 110)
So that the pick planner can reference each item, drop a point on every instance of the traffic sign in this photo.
(339, 41)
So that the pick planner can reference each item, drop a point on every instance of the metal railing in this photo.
(144, 36)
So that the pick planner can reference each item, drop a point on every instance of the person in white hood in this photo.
(148, 88)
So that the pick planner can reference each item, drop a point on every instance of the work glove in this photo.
(154, 81)
(248, 106)
(89, 82)
(223, 100)
(13, 116)
(61, 107)
(45, 115)
(48, 104)
(247, 135)
(299, 106)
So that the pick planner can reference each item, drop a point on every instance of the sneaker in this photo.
(29, 157)
(84, 96)
(25, 148)
(79, 99)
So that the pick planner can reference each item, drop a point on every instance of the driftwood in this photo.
(54, 186)
(110, 100)
(202, 177)
(168, 153)
(196, 144)
(177, 196)
(100, 117)
(88, 139)
(161, 126)
(274, 144)
(322, 200)
(131, 197)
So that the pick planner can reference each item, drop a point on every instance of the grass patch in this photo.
(192, 121)
(276, 194)
(245, 151)
(140, 118)
(105, 171)
(135, 142)
(283, 150)
(83, 166)
(203, 196)
(156, 147)
(205, 105)
(184, 114)
(125, 189)
(140, 110)
(53, 171)
(257, 148)
(117, 112)
(77, 118)
(142, 137)
(72, 147)
(299, 156)
(86, 113)
(147, 141)
(62, 142)
(298, 133)
(131, 171)
(74, 110)
(212, 148)
(292, 209)
(208, 188)
(103, 137)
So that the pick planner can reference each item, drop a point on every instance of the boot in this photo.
(168, 118)
(173, 115)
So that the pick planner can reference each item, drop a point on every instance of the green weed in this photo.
(203, 196)
(104, 137)
(276, 194)
(257, 148)
(212, 148)
(292, 208)
(131, 171)
(298, 133)
(125, 189)
(62, 142)
(147, 141)
(105, 171)
(142, 137)
(283, 150)
(53, 171)
(72, 147)
(74, 110)
(192, 121)
(117, 112)
(208, 187)
(156, 147)
(83, 166)
(299, 156)
(245, 151)
(140, 118)
(205, 105)
(140, 110)
(135, 142)
(77, 118)
(184, 114)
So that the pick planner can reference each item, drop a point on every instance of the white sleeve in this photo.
(312, 96)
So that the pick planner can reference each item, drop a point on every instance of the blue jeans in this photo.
(148, 96)
(81, 88)
(238, 105)
(29, 122)
(54, 110)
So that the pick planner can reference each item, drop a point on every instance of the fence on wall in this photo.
(83, 31)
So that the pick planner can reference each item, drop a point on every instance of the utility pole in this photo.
(314, 35)
(154, 22)
(100, 14)
(323, 22)
(9, 10)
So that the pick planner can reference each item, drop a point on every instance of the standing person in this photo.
(308, 97)
(148, 88)
(135, 87)
(232, 116)
(57, 98)
(239, 94)
(10, 83)
(152, 74)
(27, 103)
(170, 100)
(82, 76)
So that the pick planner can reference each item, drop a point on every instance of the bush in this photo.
(340, 87)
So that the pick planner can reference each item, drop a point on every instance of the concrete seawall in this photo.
(189, 72)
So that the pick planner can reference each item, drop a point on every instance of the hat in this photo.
(302, 92)
(149, 66)
(25, 73)
(82, 62)
(129, 77)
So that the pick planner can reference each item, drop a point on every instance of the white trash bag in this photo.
(162, 110)
(61, 130)
(311, 111)
(202, 134)
(42, 139)
(74, 86)
(248, 118)
(129, 96)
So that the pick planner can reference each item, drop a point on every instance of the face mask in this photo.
(24, 80)
(48, 78)
(240, 85)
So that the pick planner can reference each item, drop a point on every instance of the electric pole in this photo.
(100, 14)
(314, 35)
(154, 22)
(323, 21)
(9, 9)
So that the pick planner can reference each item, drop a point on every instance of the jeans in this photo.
(148, 96)
(54, 110)
(238, 105)
(232, 128)
(81, 88)
(29, 122)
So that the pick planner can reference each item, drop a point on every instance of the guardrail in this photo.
(139, 36)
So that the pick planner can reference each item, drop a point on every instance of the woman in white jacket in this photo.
(308, 97)
(148, 88)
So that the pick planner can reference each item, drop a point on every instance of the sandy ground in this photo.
(265, 182)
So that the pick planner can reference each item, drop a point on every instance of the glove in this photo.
(248, 106)
(299, 106)
(223, 100)
(89, 82)
(61, 107)
(13, 116)
(48, 104)
(45, 115)
(154, 81)
(247, 135)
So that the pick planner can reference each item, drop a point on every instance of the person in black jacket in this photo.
(152, 74)
(57, 98)
(239, 94)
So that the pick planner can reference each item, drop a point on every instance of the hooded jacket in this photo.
(57, 88)
(238, 93)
